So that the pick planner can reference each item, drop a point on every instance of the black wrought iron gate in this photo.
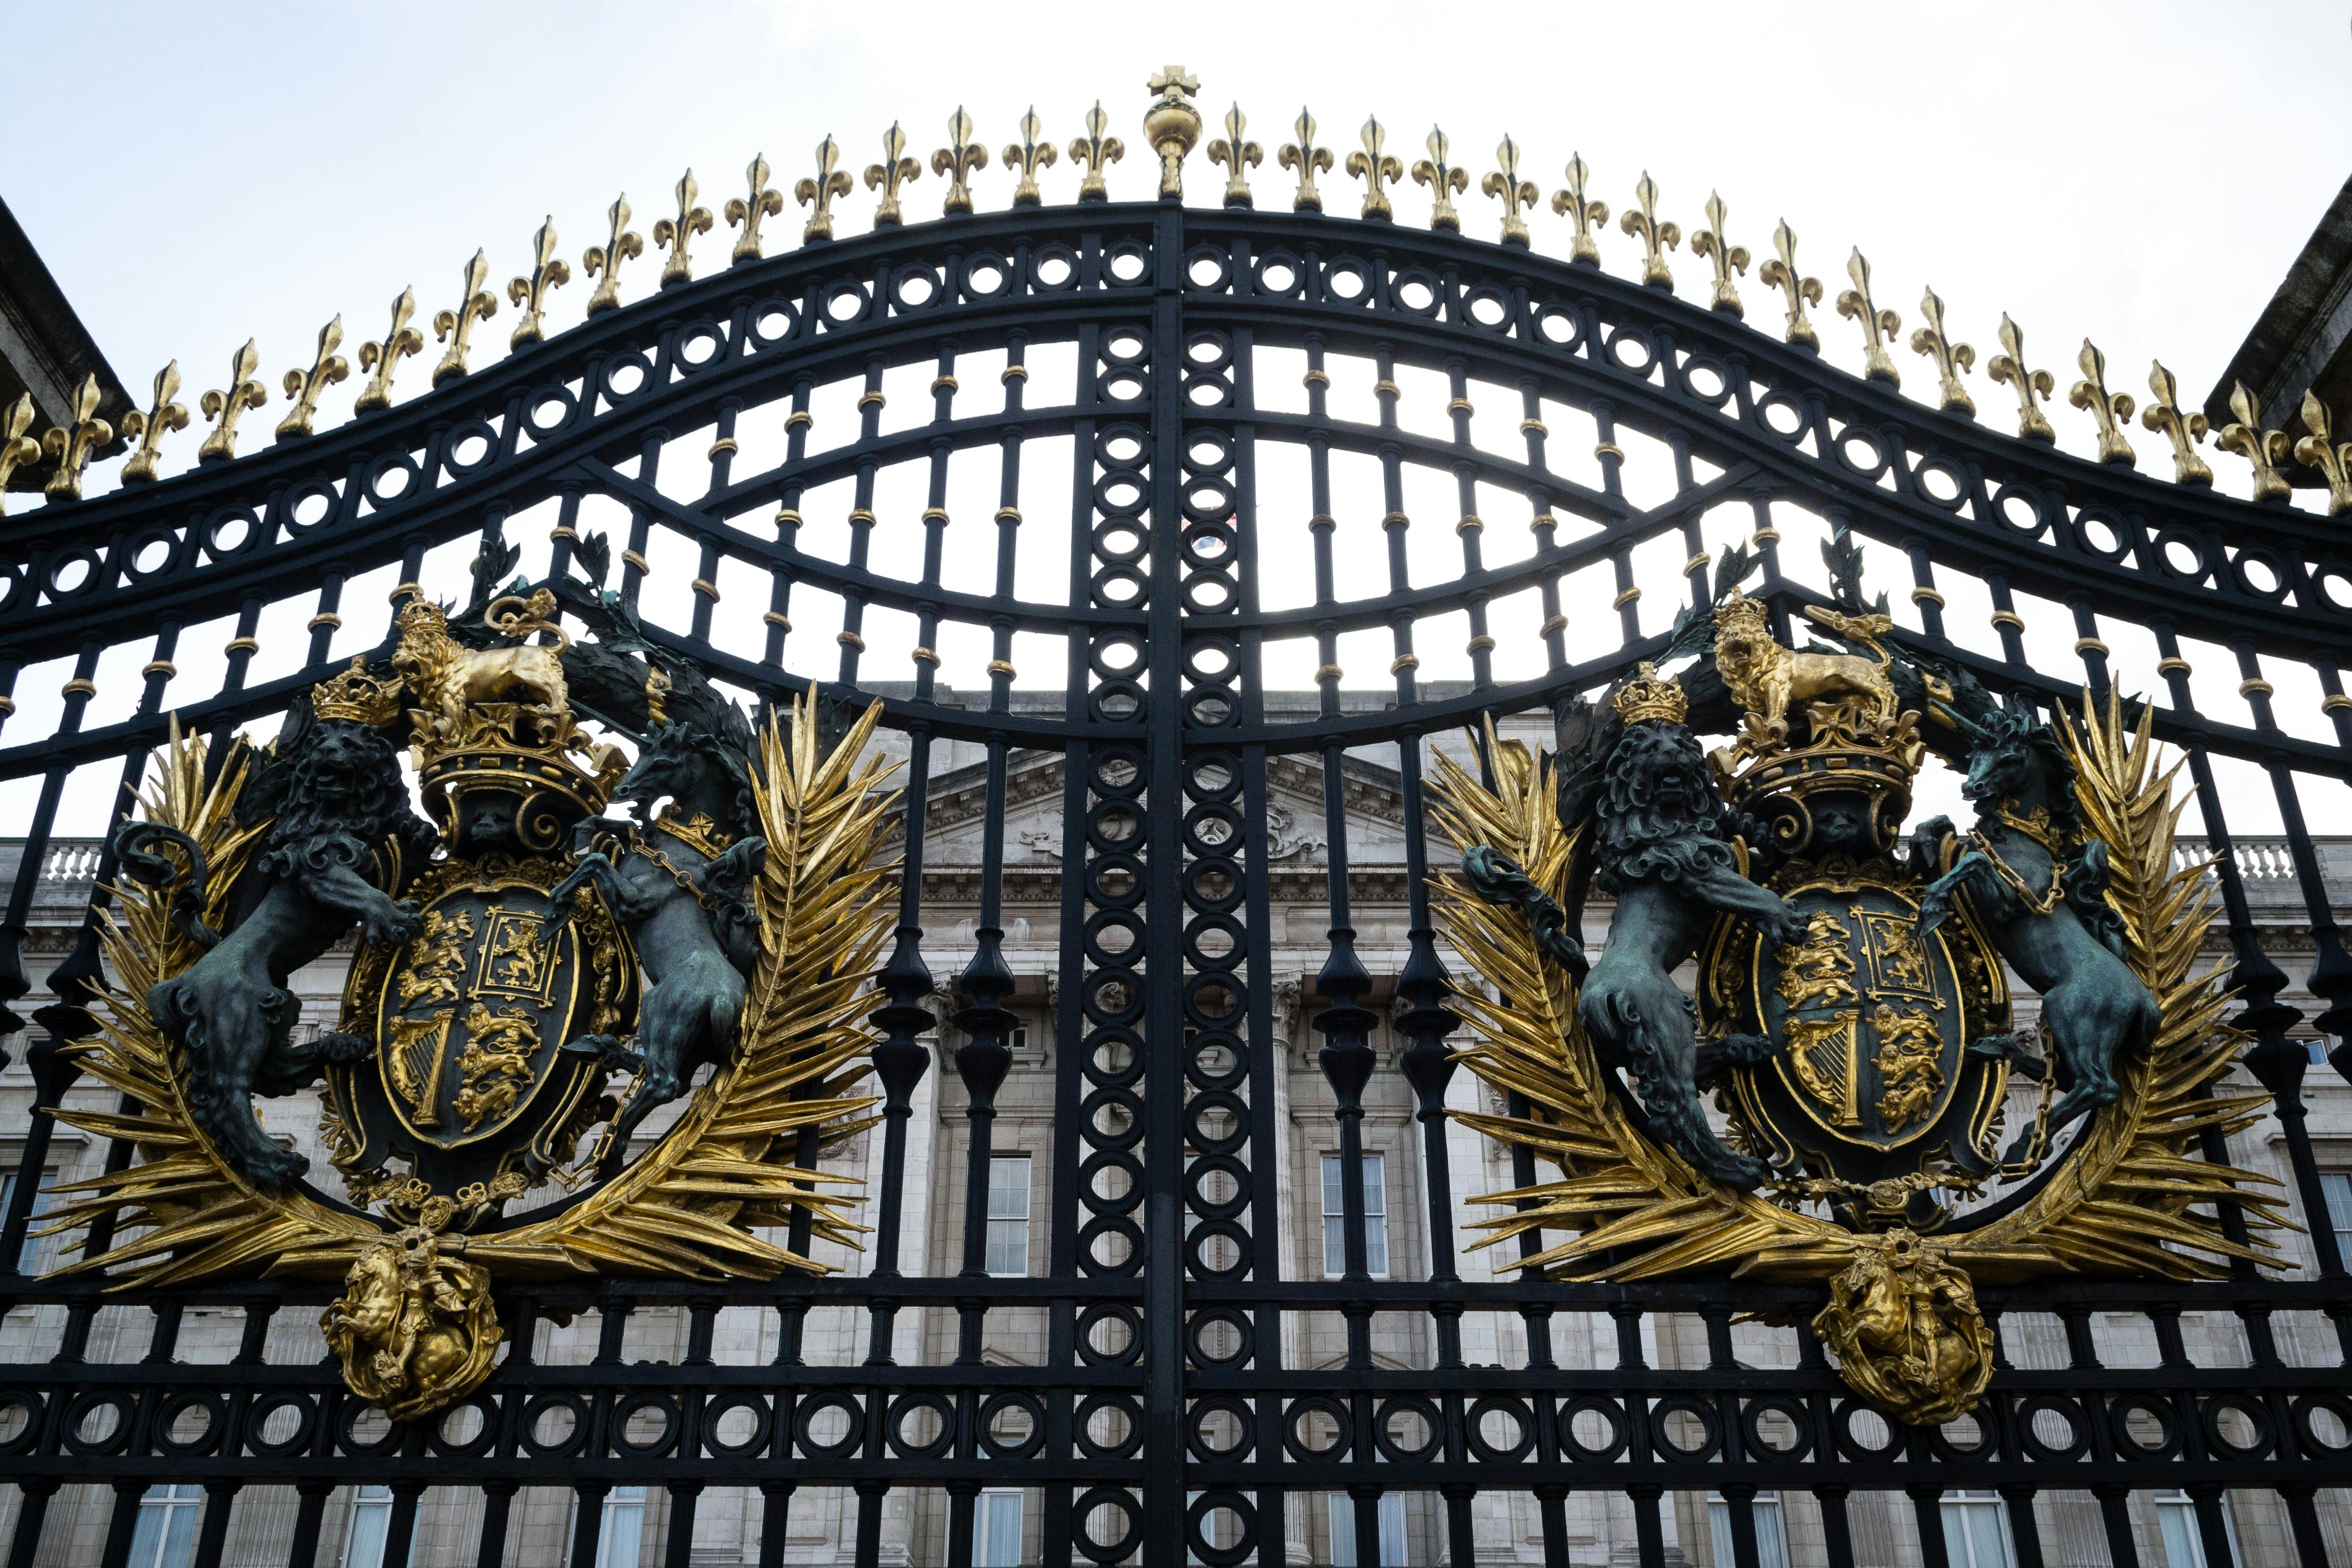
(1163, 1421)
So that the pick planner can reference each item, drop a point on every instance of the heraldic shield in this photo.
(1830, 1107)
(533, 978)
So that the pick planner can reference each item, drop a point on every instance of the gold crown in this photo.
(357, 696)
(1646, 698)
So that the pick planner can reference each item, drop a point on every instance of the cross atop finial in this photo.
(1173, 81)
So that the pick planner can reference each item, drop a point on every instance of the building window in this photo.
(2176, 1518)
(2337, 1185)
(1343, 1521)
(996, 1528)
(371, 1522)
(2317, 1046)
(1008, 1215)
(1975, 1530)
(623, 1528)
(1376, 1217)
(1771, 1533)
(166, 1536)
(40, 1252)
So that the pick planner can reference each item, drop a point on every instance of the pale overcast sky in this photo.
(197, 176)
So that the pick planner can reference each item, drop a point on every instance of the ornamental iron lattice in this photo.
(1164, 1418)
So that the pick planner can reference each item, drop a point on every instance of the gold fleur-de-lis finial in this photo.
(1237, 155)
(959, 161)
(68, 446)
(1727, 257)
(548, 270)
(895, 169)
(1587, 215)
(399, 340)
(1782, 273)
(817, 193)
(1950, 357)
(1504, 182)
(1376, 169)
(16, 448)
(607, 258)
(2009, 366)
(1445, 180)
(2112, 411)
(1171, 125)
(1656, 238)
(1877, 325)
(1305, 158)
(303, 387)
(759, 200)
(2265, 449)
(1029, 154)
(225, 407)
(144, 465)
(2318, 450)
(676, 234)
(475, 303)
(1094, 150)
(2183, 429)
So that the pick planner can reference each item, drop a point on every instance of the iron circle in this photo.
(1200, 992)
(2160, 1411)
(1343, 1426)
(1196, 1244)
(1094, 1404)
(1412, 1405)
(2034, 503)
(1197, 1131)
(2257, 1415)
(804, 1416)
(1097, 1312)
(480, 1443)
(1090, 1172)
(1752, 1417)
(1091, 1107)
(763, 1424)
(914, 271)
(695, 334)
(391, 463)
(2256, 555)
(558, 394)
(572, 1442)
(1126, 1231)
(2065, 1409)
(619, 362)
(1196, 1518)
(1217, 1165)
(125, 1409)
(256, 1422)
(907, 1405)
(995, 1405)
(1220, 1404)
(352, 1412)
(1245, 1340)
(1610, 1411)
(173, 1405)
(471, 429)
(1202, 1077)
(1100, 1551)
(219, 521)
(1055, 254)
(1487, 1449)
(2305, 1406)
(73, 555)
(662, 1405)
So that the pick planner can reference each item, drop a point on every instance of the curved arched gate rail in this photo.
(1168, 1309)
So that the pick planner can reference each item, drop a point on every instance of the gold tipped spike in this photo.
(16, 448)
(676, 233)
(1305, 158)
(759, 200)
(1727, 257)
(548, 270)
(1950, 357)
(1656, 238)
(958, 160)
(2112, 411)
(1445, 180)
(2319, 451)
(303, 387)
(895, 169)
(817, 195)
(1877, 325)
(475, 303)
(1238, 155)
(144, 465)
(1093, 150)
(1376, 169)
(2009, 366)
(607, 258)
(2164, 413)
(1029, 154)
(1516, 193)
(399, 340)
(2265, 449)
(1782, 273)
(1587, 215)
(69, 444)
(225, 408)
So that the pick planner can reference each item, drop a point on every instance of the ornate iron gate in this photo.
(1163, 1421)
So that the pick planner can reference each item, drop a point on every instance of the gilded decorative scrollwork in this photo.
(2008, 366)
(1585, 215)
(817, 193)
(529, 291)
(226, 406)
(1504, 181)
(2263, 450)
(1782, 273)
(895, 169)
(1239, 155)
(1656, 238)
(1949, 358)
(677, 235)
(1094, 152)
(1877, 326)
(303, 387)
(2183, 429)
(1378, 170)
(1725, 257)
(144, 465)
(382, 357)
(621, 243)
(744, 212)
(2318, 450)
(1029, 154)
(2111, 411)
(1445, 178)
(456, 326)
(17, 448)
(956, 162)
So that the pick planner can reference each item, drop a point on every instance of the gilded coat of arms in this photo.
(1851, 1017)
(534, 979)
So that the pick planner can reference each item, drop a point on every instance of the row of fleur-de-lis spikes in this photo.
(1174, 127)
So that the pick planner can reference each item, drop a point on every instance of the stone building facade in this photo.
(1600, 1529)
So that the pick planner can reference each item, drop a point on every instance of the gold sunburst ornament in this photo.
(453, 1058)
(1899, 1259)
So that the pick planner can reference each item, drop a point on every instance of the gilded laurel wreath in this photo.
(2132, 1198)
(687, 1207)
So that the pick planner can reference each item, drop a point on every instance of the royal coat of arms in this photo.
(534, 979)
(1851, 1015)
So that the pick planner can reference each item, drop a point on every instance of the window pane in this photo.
(625, 1525)
(371, 1518)
(1343, 1529)
(996, 1532)
(2183, 1548)
(39, 1252)
(1392, 1529)
(1376, 1224)
(1008, 1186)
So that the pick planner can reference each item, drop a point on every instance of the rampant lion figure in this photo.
(344, 843)
(446, 677)
(1661, 848)
(1768, 680)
